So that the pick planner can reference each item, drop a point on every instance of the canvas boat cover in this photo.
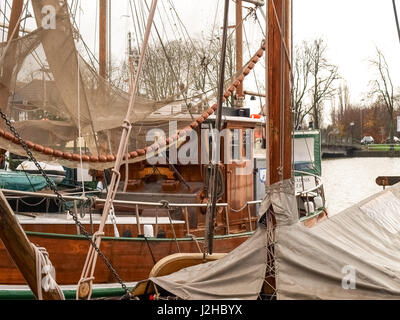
(352, 255)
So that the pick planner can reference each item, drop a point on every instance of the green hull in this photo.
(24, 293)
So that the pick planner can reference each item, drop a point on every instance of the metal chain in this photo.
(53, 187)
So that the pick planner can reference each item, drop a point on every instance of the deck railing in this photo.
(156, 205)
(311, 192)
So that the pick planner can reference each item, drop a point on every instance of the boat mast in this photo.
(103, 38)
(279, 124)
(16, 12)
(239, 52)
(211, 208)
(13, 33)
(9, 58)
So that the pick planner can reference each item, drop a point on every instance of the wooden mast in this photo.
(16, 11)
(103, 38)
(239, 52)
(211, 208)
(20, 249)
(9, 59)
(279, 124)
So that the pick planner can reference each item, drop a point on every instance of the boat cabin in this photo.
(182, 183)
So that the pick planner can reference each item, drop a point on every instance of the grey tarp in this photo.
(231, 277)
(241, 273)
(352, 255)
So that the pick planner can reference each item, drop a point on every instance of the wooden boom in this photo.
(20, 248)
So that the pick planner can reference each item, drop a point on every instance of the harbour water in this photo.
(349, 180)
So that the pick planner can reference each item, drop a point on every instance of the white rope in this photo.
(44, 267)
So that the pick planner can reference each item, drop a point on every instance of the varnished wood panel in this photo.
(130, 258)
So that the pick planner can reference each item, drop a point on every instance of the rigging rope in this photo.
(44, 266)
(52, 186)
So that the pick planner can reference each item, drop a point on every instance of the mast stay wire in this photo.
(190, 39)
(396, 18)
(170, 65)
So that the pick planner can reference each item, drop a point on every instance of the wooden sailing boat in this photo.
(55, 232)
(183, 222)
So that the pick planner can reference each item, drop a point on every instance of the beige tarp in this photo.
(241, 273)
(231, 277)
(354, 254)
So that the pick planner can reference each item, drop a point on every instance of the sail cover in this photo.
(352, 255)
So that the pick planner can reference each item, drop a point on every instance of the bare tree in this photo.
(323, 76)
(383, 90)
(301, 75)
(314, 79)
(178, 68)
(344, 98)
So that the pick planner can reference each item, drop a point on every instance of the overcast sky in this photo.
(351, 28)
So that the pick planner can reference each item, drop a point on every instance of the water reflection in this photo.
(349, 180)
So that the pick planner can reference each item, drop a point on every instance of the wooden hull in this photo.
(131, 257)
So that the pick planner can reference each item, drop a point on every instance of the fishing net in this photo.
(67, 112)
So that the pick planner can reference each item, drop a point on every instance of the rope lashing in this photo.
(44, 267)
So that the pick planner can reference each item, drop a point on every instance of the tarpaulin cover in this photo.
(352, 255)
(241, 273)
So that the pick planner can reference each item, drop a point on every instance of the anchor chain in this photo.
(53, 187)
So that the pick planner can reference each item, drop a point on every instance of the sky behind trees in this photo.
(352, 30)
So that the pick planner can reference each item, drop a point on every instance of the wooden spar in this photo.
(16, 12)
(9, 58)
(20, 249)
(252, 93)
(211, 208)
(279, 126)
(109, 38)
(103, 38)
(239, 49)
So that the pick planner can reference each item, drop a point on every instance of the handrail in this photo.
(318, 179)
(45, 195)
(305, 193)
(175, 205)
(142, 203)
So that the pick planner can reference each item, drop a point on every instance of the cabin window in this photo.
(235, 145)
(247, 142)
(210, 145)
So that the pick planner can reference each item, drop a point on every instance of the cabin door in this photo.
(239, 177)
